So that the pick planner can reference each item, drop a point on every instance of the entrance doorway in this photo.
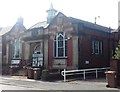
(37, 57)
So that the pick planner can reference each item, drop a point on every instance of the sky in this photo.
(33, 11)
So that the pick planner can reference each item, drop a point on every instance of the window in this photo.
(60, 45)
(38, 49)
(37, 58)
(97, 47)
(17, 49)
(34, 33)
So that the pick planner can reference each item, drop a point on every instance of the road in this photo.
(22, 83)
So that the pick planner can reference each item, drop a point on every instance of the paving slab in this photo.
(24, 83)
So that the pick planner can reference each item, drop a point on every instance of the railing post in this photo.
(84, 75)
(64, 75)
(96, 74)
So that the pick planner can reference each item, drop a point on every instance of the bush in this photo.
(117, 52)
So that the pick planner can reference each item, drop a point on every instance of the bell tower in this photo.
(51, 13)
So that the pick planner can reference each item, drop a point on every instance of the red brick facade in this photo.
(8, 40)
(84, 44)
(80, 35)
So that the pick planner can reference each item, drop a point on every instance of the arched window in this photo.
(37, 58)
(60, 45)
(17, 49)
(37, 49)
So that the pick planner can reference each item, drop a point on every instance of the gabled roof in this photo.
(18, 24)
(43, 24)
(86, 24)
(90, 25)
(5, 30)
(57, 14)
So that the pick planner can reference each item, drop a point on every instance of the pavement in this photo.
(22, 83)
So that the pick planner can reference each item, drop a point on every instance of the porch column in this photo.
(26, 51)
(45, 53)
(75, 52)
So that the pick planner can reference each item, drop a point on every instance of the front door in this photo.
(37, 57)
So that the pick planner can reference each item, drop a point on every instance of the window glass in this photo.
(96, 44)
(97, 47)
(60, 52)
(17, 49)
(60, 45)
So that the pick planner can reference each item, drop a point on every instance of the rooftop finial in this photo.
(51, 6)
(51, 13)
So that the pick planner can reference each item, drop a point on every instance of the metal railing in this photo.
(65, 72)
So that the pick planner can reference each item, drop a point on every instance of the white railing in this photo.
(65, 72)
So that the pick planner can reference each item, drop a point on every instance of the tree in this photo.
(117, 52)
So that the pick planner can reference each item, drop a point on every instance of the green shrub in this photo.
(117, 52)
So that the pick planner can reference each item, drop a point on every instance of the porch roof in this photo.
(43, 24)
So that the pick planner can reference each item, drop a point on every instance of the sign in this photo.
(15, 61)
(60, 63)
(37, 60)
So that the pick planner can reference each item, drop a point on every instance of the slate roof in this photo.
(85, 24)
(4, 30)
(43, 24)
(90, 25)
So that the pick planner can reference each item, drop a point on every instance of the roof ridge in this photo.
(88, 22)
(91, 25)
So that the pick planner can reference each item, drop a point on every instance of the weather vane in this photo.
(96, 19)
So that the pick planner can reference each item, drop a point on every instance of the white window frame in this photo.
(18, 43)
(64, 49)
(97, 47)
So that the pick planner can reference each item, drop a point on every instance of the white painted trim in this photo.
(57, 44)
(99, 47)
(65, 72)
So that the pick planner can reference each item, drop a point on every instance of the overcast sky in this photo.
(34, 11)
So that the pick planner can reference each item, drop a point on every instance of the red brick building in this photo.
(11, 45)
(61, 42)
(69, 43)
